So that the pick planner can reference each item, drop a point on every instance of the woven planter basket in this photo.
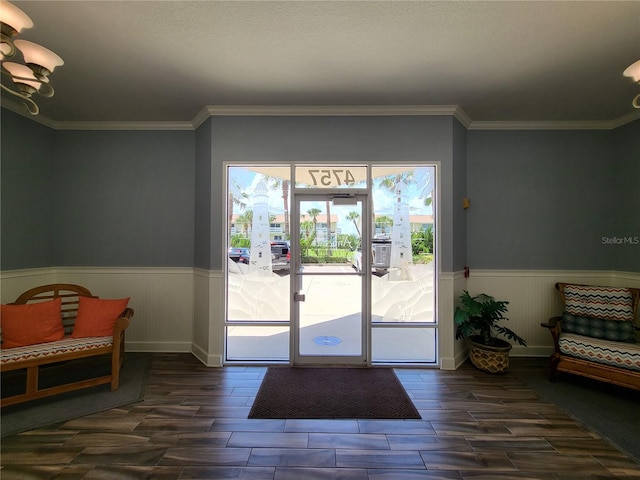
(490, 358)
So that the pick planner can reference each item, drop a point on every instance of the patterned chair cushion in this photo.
(617, 354)
(609, 303)
(51, 349)
(618, 330)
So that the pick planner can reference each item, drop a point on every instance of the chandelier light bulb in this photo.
(22, 75)
(38, 55)
(14, 17)
(633, 71)
(32, 74)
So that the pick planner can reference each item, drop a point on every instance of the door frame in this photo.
(296, 275)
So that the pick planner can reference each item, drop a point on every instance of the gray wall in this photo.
(341, 139)
(203, 201)
(96, 198)
(626, 204)
(458, 192)
(124, 198)
(27, 193)
(541, 199)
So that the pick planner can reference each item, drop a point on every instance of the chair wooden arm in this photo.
(554, 324)
(117, 358)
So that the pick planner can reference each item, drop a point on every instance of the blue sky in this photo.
(383, 199)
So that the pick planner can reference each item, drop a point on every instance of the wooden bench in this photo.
(587, 338)
(32, 357)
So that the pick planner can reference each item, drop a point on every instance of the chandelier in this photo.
(633, 71)
(31, 75)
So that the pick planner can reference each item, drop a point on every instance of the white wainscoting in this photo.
(208, 325)
(15, 282)
(452, 353)
(182, 309)
(161, 297)
(533, 298)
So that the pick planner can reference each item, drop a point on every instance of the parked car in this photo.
(381, 256)
(280, 255)
(239, 255)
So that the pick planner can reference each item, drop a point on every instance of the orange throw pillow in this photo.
(97, 316)
(31, 323)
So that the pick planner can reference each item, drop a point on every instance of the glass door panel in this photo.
(330, 299)
(331, 315)
(258, 288)
(403, 282)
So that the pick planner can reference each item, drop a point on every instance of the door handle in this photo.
(298, 297)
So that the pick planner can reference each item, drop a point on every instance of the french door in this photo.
(331, 264)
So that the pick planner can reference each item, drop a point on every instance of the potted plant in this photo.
(477, 319)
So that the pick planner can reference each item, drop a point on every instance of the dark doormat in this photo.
(322, 393)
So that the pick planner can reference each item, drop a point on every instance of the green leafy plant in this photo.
(422, 241)
(479, 316)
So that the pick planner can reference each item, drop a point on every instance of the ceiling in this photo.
(499, 61)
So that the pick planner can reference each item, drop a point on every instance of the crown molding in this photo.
(551, 125)
(58, 125)
(327, 110)
(124, 126)
(20, 109)
(556, 125)
(462, 117)
(330, 110)
(209, 111)
(628, 118)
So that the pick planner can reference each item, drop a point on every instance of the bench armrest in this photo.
(119, 327)
(122, 323)
(554, 324)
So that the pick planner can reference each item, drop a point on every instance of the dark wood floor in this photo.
(193, 425)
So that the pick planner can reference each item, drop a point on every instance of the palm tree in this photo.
(305, 226)
(424, 179)
(246, 219)
(313, 213)
(383, 220)
(236, 197)
(389, 182)
(354, 217)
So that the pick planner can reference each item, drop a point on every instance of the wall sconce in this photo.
(633, 71)
(32, 75)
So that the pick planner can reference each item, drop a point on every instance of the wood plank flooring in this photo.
(193, 425)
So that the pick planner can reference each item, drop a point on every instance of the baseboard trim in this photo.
(202, 355)
(531, 351)
(452, 363)
(158, 347)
